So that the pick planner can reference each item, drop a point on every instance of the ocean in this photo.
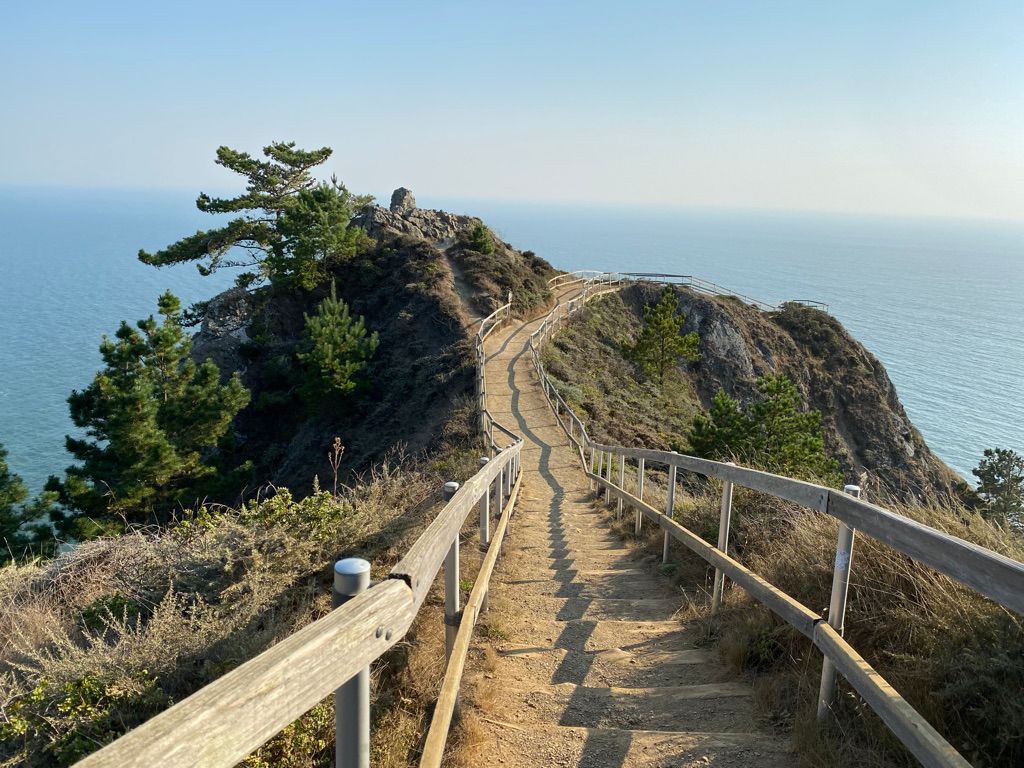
(941, 303)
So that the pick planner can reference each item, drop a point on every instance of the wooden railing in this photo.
(223, 722)
(996, 577)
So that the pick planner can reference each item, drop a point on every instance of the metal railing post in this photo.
(352, 698)
(500, 497)
(837, 606)
(622, 483)
(639, 494)
(485, 512)
(608, 477)
(724, 520)
(670, 507)
(593, 466)
(452, 598)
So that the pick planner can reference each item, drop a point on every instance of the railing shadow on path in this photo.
(604, 749)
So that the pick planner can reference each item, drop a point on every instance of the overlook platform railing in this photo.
(996, 577)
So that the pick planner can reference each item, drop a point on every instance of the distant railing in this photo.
(714, 289)
(222, 723)
(997, 577)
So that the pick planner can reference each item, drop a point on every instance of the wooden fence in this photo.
(219, 725)
(991, 574)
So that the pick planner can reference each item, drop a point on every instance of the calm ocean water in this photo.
(939, 303)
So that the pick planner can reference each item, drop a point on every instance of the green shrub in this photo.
(481, 240)
(83, 714)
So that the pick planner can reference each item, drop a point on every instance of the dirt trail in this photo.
(590, 669)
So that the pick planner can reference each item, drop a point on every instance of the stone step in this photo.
(723, 707)
(533, 546)
(593, 588)
(620, 609)
(528, 665)
(576, 563)
(575, 747)
(636, 637)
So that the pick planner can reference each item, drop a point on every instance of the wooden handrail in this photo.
(993, 575)
(223, 722)
(421, 563)
(440, 724)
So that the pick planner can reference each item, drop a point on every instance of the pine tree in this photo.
(723, 433)
(1001, 483)
(152, 416)
(292, 228)
(772, 433)
(339, 347)
(660, 345)
(12, 516)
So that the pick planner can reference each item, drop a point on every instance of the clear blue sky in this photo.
(894, 107)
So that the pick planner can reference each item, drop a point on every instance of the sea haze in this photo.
(938, 302)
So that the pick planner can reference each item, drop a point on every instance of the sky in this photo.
(901, 108)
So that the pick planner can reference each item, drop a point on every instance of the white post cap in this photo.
(351, 576)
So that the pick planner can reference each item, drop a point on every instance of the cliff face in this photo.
(417, 289)
(864, 424)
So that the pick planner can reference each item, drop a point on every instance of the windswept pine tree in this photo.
(153, 419)
(291, 227)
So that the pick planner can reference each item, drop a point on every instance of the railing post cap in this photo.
(351, 566)
(853, 490)
(483, 460)
(351, 576)
(449, 489)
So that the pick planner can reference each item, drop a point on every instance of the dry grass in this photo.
(97, 640)
(955, 656)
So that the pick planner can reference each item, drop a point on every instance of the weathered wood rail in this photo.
(996, 577)
(225, 721)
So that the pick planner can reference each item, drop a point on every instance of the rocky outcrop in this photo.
(410, 286)
(402, 201)
(864, 424)
(224, 330)
(436, 227)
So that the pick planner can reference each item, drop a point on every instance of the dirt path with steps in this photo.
(591, 669)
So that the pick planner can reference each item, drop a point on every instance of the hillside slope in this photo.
(420, 286)
(864, 424)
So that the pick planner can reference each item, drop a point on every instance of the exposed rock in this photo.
(402, 201)
(863, 422)
(439, 228)
(224, 330)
